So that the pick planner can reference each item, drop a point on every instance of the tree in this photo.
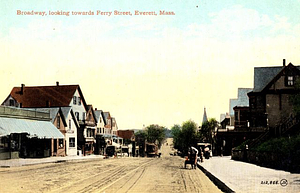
(207, 130)
(176, 132)
(155, 134)
(188, 134)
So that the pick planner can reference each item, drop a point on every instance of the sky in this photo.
(147, 69)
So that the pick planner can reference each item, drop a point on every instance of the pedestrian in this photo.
(194, 156)
(206, 152)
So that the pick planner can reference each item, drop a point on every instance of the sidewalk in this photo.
(33, 161)
(230, 175)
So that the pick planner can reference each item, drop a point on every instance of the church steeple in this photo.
(204, 116)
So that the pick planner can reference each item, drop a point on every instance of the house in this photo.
(114, 126)
(100, 121)
(100, 125)
(270, 105)
(241, 101)
(58, 120)
(49, 97)
(27, 133)
(87, 133)
(108, 126)
(235, 127)
(70, 131)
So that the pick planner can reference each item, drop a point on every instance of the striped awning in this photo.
(34, 128)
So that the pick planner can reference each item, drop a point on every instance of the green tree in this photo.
(207, 130)
(176, 132)
(188, 134)
(155, 133)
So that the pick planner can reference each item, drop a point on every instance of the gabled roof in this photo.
(106, 116)
(264, 75)
(90, 108)
(289, 68)
(98, 114)
(68, 110)
(45, 96)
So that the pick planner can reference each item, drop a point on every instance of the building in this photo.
(235, 127)
(28, 133)
(100, 121)
(50, 97)
(270, 105)
(87, 133)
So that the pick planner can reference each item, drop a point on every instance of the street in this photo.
(122, 174)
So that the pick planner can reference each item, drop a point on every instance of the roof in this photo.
(40, 129)
(204, 116)
(68, 110)
(125, 134)
(44, 96)
(241, 101)
(106, 115)
(98, 114)
(53, 112)
(264, 75)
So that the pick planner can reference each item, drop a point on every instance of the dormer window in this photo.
(290, 81)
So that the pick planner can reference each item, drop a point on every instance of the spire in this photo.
(204, 116)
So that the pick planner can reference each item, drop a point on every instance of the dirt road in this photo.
(165, 174)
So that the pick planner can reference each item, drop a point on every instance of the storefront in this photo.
(26, 138)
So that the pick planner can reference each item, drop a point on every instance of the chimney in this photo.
(283, 62)
(22, 89)
(47, 104)
(57, 83)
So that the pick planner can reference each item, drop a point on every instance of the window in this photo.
(58, 122)
(61, 143)
(11, 102)
(72, 142)
(83, 116)
(74, 100)
(77, 116)
(290, 81)
(4, 142)
(70, 124)
(88, 132)
(79, 101)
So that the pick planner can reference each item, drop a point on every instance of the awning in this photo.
(40, 129)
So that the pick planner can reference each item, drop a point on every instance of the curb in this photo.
(9, 165)
(223, 187)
